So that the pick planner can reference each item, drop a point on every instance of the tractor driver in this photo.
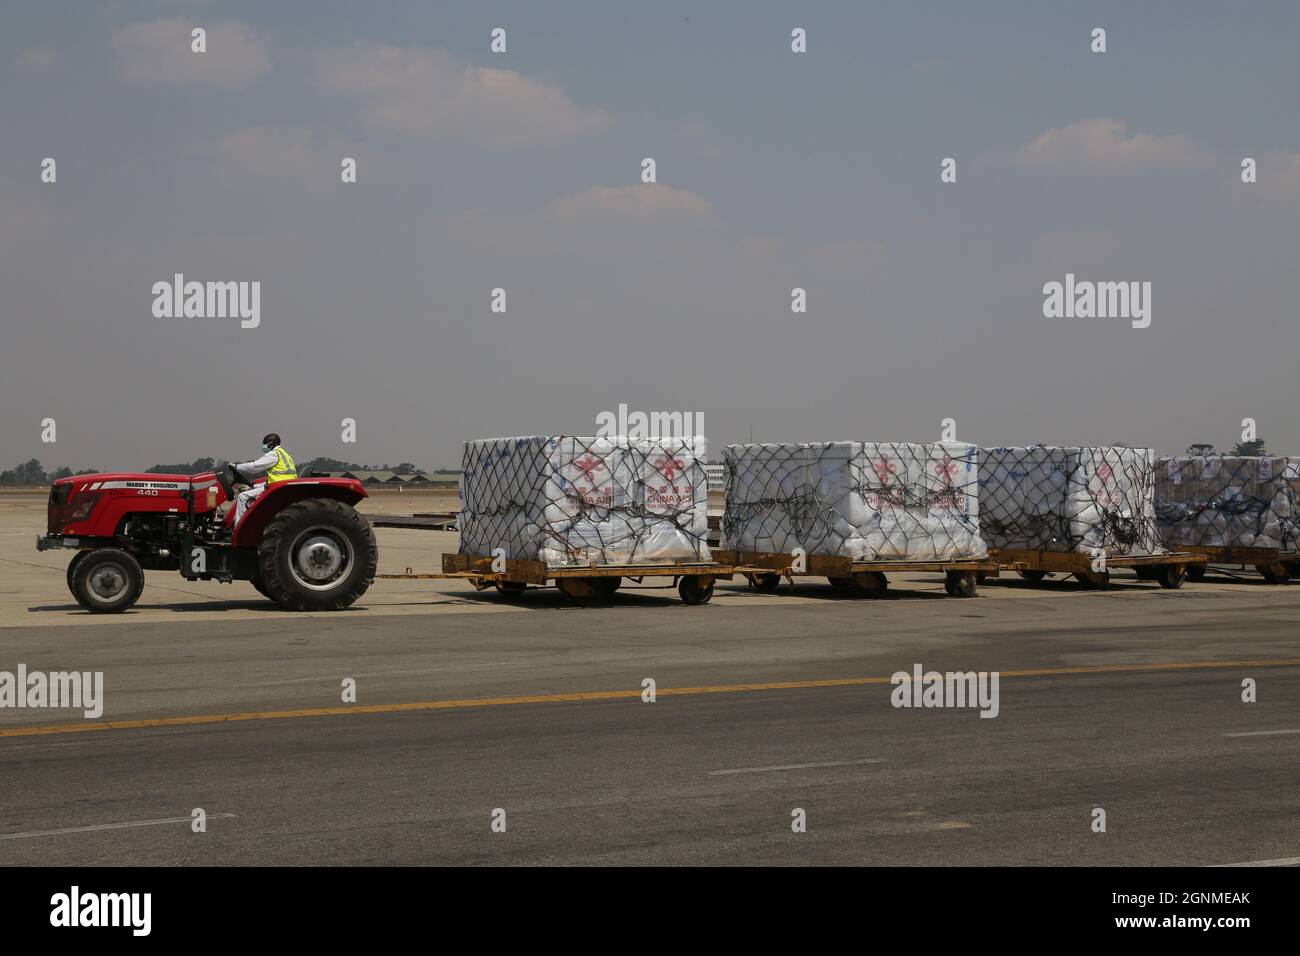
(276, 464)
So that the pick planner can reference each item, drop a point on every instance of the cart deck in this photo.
(764, 571)
(694, 579)
(1169, 569)
(1277, 566)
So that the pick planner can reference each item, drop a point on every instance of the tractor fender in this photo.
(284, 493)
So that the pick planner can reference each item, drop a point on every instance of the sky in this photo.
(522, 170)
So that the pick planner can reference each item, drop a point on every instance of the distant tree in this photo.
(28, 473)
(1201, 451)
(192, 468)
(330, 464)
(405, 468)
(64, 472)
(1250, 449)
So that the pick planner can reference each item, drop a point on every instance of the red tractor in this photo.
(301, 543)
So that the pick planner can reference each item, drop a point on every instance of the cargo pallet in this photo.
(1169, 569)
(764, 571)
(1277, 566)
(592, 583)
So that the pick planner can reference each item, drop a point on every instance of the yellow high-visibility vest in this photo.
(283, 469)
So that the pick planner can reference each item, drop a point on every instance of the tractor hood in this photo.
(95, 505)
(120, 476)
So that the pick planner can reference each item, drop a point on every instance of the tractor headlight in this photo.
(80, 506)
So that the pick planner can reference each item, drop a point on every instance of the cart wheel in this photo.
(1148, 572)
(1195, 572)
(1032, 576)
(510, 589)
(605, 587)
(871, 583)
(764, 582)
(961, 584)
(1093, 579)
(592, 590)
(1171, 576)
(575, 589)
(1275, 573)
(696, 588)
(981, 577)
(841, 584)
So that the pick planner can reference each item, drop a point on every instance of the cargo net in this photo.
(1042, 498)
(1229, 502)
(866, 501)
(581, 501)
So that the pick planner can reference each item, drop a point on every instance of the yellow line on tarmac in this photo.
(469, 702)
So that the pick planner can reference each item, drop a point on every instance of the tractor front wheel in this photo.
(72, 569)
(106, 581)
(317, 555)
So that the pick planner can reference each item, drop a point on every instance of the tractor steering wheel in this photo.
(226, 477)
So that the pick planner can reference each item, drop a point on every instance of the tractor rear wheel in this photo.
(107, 581)
(317, 555)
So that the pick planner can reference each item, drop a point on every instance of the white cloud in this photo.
(37, 60)
(158, 52)
(702, 139)
(648, 202)
(1103, 147)
(285, 155)
(1278, 176)
(429, 94)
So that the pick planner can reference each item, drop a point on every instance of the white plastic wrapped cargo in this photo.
(571, 501)
(1045, 498)
(1229, 502)
(862, 500)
